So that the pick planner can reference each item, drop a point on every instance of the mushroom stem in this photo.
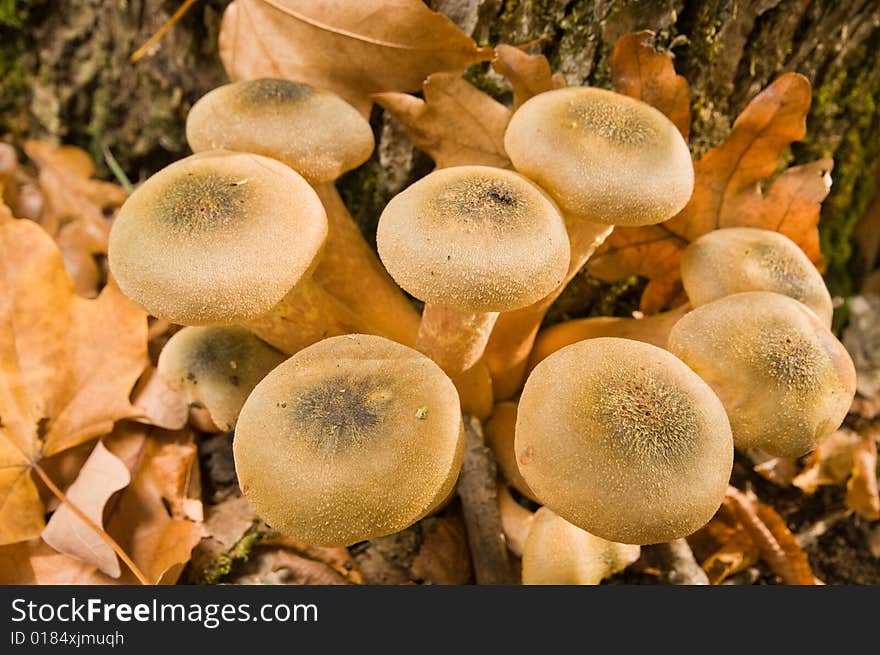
(455, 339)
(507, 352)
(676, 559)
(515, 520)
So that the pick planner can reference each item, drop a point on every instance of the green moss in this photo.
(222, 564)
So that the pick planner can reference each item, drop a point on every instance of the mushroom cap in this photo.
(217, 368)
(352, 438)
(602, 155)
(217, 237)
(787, 383)
(475, 238)
(557, 552)
(622, 439)
(736, 259)
(315, 132)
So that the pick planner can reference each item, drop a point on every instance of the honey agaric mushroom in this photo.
(500, 432)
(732, 260)
(471, 241)
(516, 520)
(557, 552)
(606, 159)
(217, 368)
(622, 439)
(220, 237)
(352, 438)
(787, 383)
(320, 136)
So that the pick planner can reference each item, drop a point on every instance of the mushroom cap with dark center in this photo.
(315, 132)
(787, 383)
(602, 155)
(623, 440)
(732, 260)
(217, 237)
(352, 438)
(476, 238)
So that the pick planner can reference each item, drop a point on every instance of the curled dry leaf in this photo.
(528, 74)
(861, 490)
(161, 406)
(67, 366)
(377, 45)
(830, 464)
(456, 124)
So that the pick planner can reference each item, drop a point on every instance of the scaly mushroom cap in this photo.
(352, 438)
(723, 262)
(785, 380)
(476, 238)
(622, 439)
(602, 155)
(217, 237)
(557, 552)
(217, 368)
(314, 132)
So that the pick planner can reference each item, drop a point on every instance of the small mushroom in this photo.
(736, 259)
(557, 552)
(622, 439)
(471, 241)
(787, 383)
(352, 438)
(500, 432)
(516, 520)
(217, 368)
(320, 136)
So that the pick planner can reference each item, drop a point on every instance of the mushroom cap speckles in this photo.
(314, 132)
(623, 440)
(352, 438)
(737, 259)
(787, 383)
(476, 238)
(601, 155)
(217, 237)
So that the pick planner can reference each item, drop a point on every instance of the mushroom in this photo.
(723, 262)
(557, 552)
(320, 136)
(217, 368)
(516, 520)
(500, 432)
(787, 383)
(352, 438)
(622, 439)
(606, 159)
(471, 241)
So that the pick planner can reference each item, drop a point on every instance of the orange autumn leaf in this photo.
(377, 45)
(456, 124)
(861, 491)
(528, 74)
(67, 366)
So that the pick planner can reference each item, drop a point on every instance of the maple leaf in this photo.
(728, 178)
(528, 74)
(67, 366)
(456, 124)
(375, 45)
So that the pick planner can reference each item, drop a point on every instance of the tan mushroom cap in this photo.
(622, 439)
(352, 438)
(732, 260)
(787, 383)
(602, 155)
(475, 238)
(217, 368)
(217, 237)
(557, 552)
(314, 132)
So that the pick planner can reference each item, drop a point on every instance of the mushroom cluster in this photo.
(346, 405)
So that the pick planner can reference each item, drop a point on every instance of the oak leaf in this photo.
(528, 74)
(67, 366)
(354, 49)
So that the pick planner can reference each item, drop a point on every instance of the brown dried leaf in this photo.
(830, 464)
(861, 490)
(443, 558)
(354, 49)
(528, 74)
(101, 476)
(456, 123)
(161, 406)
(67, 366)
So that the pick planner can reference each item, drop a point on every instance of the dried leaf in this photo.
(354, 49)
(456, 123)
(443, 558)
(727, 193)
(528, 74)
(161, 406)
(830, 464)
(67, 366)
(641, 72)
(101, 476)
(861, 490)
